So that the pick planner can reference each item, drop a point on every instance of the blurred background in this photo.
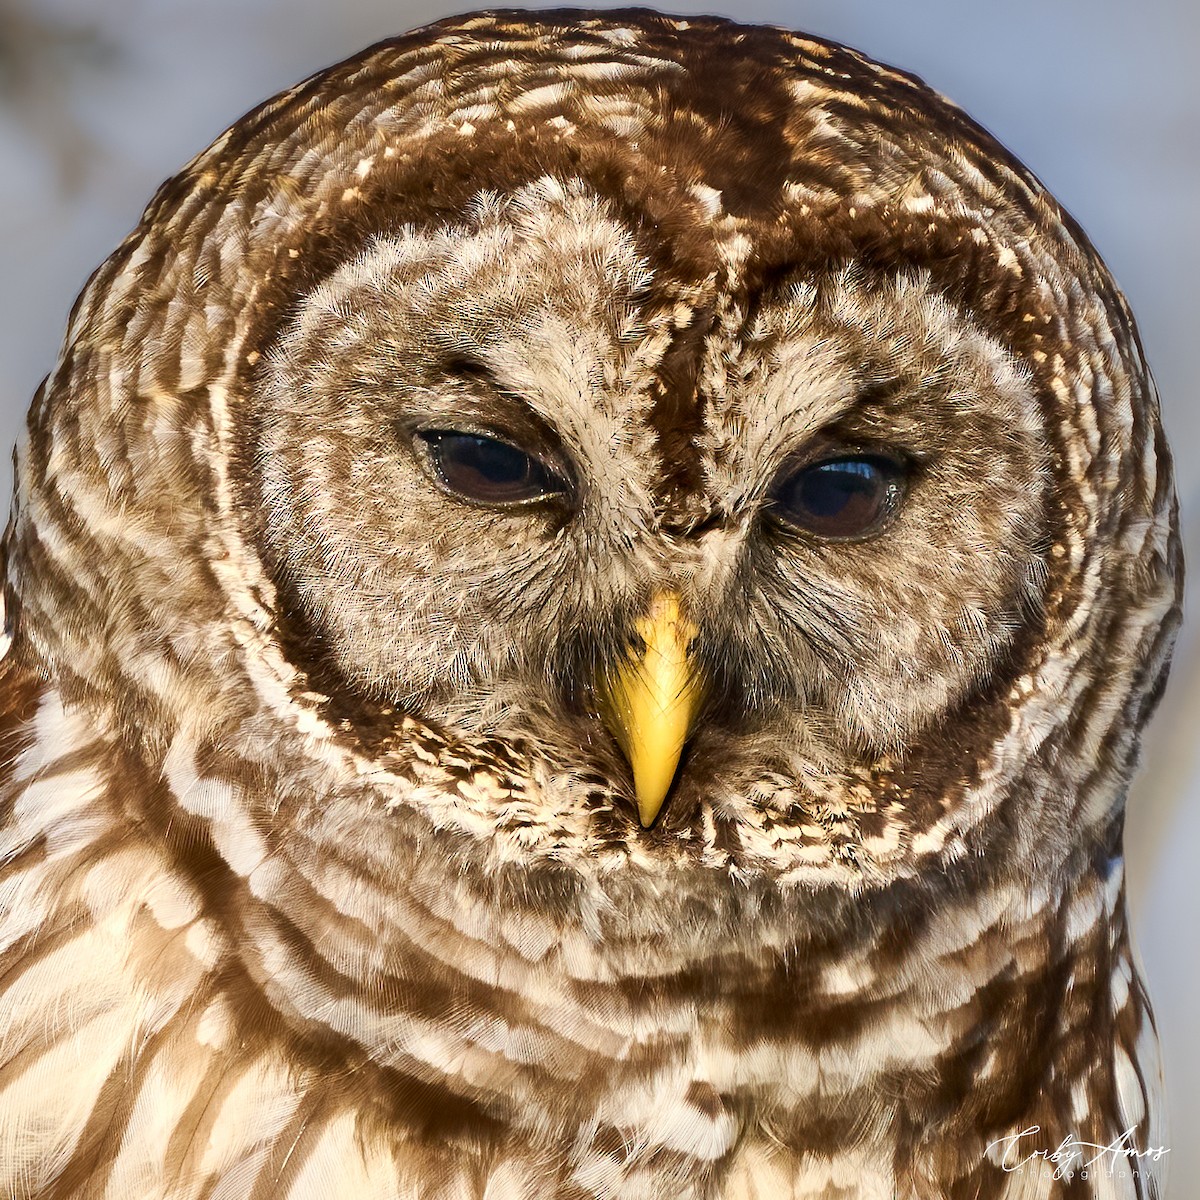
(100, 100)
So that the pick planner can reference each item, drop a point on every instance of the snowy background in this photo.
(102, 99)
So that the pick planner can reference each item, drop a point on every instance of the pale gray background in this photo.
(102, 99)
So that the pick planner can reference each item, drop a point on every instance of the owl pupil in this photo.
(487, 470)
(840, 498)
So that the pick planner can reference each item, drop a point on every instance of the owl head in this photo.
(612, 448)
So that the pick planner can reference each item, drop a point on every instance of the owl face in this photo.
(618, 449)
(466, 494)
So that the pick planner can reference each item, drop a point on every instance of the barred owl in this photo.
(578, 613)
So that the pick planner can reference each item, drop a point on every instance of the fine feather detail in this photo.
(319, 874)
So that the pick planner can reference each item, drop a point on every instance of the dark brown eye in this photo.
(841, 497)
(487, 470)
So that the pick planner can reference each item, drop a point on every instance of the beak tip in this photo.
(650, 805)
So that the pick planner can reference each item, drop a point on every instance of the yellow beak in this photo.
(649, 702)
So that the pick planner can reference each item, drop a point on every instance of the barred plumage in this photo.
(321, 866)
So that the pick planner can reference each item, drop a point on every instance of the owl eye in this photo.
(487, 470)
(841, 498)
